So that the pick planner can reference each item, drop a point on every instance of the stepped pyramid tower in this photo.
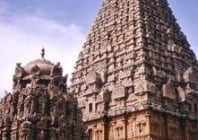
(137, 77)
(40, 108)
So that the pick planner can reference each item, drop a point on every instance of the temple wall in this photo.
(142, 126)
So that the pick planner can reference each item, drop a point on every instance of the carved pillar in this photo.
(182, 123)
(113, 124)
(187, 130)
(166, 126)
(125, 126)
(148, 116)
(106, 127)
(133, 127)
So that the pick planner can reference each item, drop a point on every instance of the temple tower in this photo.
(137, 77)
(39, 107)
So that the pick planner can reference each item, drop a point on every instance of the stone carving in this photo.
(139, 46)
(155, 127)
(169, 90)
(140, 127)
(57, 70)
(119, 92)
(35, 70)
(190, 76)
(19, 71)
(143, 86)
(133, 48)
(42, 110)
(92, 78)
(104, 96)
(182, 94)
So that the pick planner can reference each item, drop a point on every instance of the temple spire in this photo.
(136, 59)
(43, 53)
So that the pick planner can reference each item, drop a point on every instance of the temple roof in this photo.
(43, 64)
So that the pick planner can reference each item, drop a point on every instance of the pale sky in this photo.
(61, 28)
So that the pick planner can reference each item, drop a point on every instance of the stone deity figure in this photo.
(27, 105)
(25, 131)
(18, 74)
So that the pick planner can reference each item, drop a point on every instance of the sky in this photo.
(61, 27)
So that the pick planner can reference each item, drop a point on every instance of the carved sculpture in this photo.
(36, 110)
(190, 76)
(169, 90)
(137, 51)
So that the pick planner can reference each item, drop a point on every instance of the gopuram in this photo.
(136, 77)
(39, 107)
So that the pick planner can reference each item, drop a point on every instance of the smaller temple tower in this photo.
(39, 107)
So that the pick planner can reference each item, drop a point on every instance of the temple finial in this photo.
(43, 53)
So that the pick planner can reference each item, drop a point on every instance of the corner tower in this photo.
(136, 77)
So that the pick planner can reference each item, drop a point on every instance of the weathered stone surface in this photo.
(138, 53)
(40, 107)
